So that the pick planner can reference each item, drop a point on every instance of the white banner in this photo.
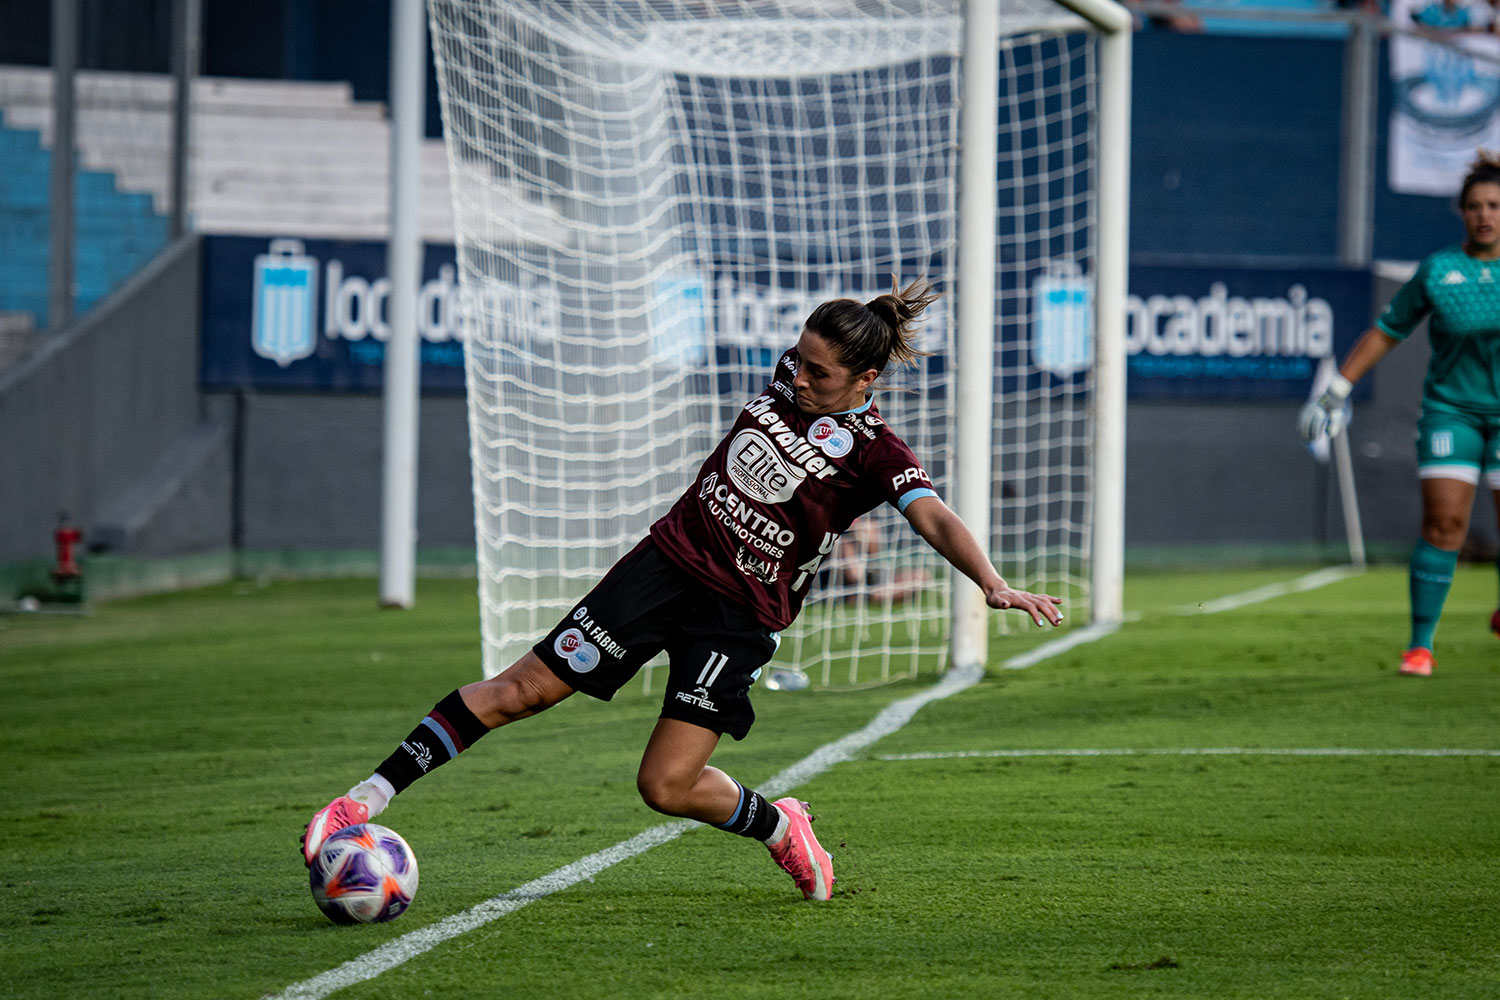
(1445, 104)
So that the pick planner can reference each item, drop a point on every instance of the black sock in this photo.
(447, 731)
(755, 817)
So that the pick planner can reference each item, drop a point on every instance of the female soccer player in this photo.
(715, 581)
(1458, 433)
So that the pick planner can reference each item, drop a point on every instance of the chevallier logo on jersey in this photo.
(795, 446)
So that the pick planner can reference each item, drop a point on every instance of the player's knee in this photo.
(1444, 529)
(661, 793)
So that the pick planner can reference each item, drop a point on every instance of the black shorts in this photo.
(646, 604)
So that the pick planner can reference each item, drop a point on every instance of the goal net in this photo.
(651, 196)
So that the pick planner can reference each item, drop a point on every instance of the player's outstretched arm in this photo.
(1327, 414)
(1367, 352)
(946, 532)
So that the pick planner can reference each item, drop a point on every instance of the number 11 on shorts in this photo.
(710, 671)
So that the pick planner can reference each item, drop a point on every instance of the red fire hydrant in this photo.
(67, 538)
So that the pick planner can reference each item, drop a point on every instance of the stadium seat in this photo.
(270, 157)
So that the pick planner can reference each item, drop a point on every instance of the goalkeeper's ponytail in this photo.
(878, 333)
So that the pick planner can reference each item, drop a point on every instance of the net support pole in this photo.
(975, 348)
(1349, 499)
(1356, 215)
(1107, 586)
(398, 522)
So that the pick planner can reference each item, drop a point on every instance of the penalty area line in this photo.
(407, 947)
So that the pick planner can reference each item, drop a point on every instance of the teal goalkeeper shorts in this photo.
(1458, 444)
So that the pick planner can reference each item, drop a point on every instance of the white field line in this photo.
(1203, 752)
(894, 716)
(1311, 581)
(1050, 649)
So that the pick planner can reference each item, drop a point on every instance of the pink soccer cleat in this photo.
(1495, 623)
(1417, 662)
(341, 812)
(800, 854)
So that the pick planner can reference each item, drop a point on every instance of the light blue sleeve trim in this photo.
(907, 498)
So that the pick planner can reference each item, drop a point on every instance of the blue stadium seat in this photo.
(117, 232)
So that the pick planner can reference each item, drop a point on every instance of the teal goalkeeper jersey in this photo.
(1461, 296)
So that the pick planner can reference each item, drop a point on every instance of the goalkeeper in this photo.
(1458, 434)
(717, 578)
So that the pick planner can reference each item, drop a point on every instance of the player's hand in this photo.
(1041, 607)
(1329, 413)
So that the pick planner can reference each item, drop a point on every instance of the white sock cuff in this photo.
(781, 825)
(375, 792)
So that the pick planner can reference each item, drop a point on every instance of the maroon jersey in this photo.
(769, 504)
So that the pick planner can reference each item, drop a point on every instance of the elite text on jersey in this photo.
(769, 504)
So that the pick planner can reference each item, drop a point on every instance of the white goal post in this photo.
(651, 195)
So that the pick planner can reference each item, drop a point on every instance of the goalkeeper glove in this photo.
(1328, 413)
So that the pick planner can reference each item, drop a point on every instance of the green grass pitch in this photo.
(162, 755)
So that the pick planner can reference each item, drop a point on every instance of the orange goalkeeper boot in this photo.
(1417, 662)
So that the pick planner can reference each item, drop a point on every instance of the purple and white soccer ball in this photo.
(364, 874)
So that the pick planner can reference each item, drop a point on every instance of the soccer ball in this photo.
(364, 874)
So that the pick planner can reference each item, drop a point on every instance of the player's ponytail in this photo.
(878, 333)
(1484, 170)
